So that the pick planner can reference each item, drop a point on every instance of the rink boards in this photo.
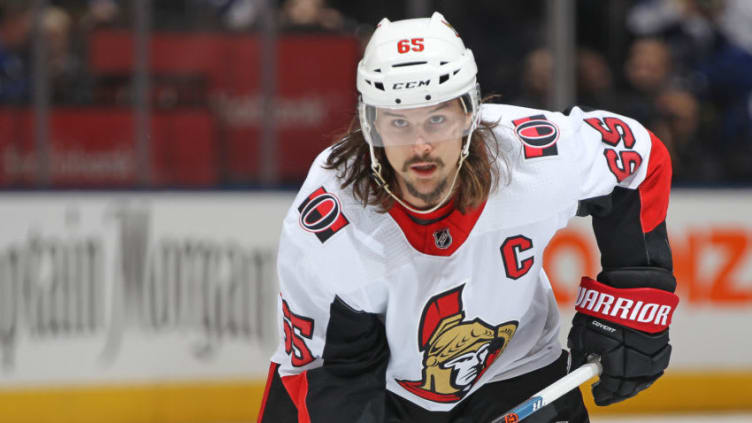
(160, 307)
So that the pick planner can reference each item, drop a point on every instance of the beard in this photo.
(430, 198)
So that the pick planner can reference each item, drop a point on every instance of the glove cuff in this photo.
(646, 309)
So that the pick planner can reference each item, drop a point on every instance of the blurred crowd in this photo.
(681, 67)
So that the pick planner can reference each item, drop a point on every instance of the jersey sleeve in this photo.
(331, 361)
(625, 184)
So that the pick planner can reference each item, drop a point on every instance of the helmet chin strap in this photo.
(376, 172)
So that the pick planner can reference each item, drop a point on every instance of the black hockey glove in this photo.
(625, 321)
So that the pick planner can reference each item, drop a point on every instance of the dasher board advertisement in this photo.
(164, 304)
(111, 287)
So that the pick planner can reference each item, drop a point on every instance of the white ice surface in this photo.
(676, 418)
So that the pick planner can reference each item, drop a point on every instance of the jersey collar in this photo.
(439, 233)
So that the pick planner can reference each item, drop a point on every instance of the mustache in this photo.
(425, 159)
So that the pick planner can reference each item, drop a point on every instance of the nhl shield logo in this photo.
(442, 238)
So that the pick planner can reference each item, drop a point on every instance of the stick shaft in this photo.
(552, 392)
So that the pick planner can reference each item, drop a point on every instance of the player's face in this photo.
(423, 147)
(467, 366)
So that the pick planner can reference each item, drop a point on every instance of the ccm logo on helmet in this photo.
(411, 84)
(321, 213)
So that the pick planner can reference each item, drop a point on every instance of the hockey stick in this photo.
(553, 391)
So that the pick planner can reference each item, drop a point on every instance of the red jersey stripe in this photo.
(272, 369)
(297, 387)
(654, 190)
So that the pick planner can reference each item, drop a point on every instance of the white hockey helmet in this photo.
(415, 64)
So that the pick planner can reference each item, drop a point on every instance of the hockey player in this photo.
(410, 264)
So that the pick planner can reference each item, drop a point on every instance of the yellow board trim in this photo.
(235, 402)
(685, 392)
(158, 403)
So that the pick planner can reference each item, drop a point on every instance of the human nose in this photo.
(422, 143)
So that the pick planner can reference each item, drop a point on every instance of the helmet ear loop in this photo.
(376, 169)
(375, 164)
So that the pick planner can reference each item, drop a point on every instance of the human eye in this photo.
(399, 123)
(437, 119)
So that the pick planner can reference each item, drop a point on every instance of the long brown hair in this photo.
(479, 174)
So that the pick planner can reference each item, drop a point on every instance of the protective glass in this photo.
(443, 122)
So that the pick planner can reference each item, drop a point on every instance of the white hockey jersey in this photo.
(463, 298)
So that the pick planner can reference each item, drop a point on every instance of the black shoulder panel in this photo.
(618, 231)
(351, 385)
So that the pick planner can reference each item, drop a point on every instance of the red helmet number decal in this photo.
(414, 44)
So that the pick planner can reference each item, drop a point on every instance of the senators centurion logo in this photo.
(456, 351)
(321, 213)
